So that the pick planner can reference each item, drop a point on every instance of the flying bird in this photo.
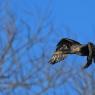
(68, 46)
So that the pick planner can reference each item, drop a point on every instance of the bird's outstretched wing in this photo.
(63, 49)
(67, 41)
(65, 44)
(57, 57)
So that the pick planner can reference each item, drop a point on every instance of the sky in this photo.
(72, 18)
(78, 15)
(69, 16)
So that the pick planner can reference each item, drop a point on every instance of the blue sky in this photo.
(78, 16)
(71, 18)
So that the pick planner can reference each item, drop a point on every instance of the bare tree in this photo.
(23, 57)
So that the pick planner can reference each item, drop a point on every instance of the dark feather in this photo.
(89, 62)
(90, 55)
(66, 43)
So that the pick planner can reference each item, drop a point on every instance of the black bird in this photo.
(68, 46)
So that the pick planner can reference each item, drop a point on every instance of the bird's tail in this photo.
(57, 56)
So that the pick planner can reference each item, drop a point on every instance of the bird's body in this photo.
(68, 46)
